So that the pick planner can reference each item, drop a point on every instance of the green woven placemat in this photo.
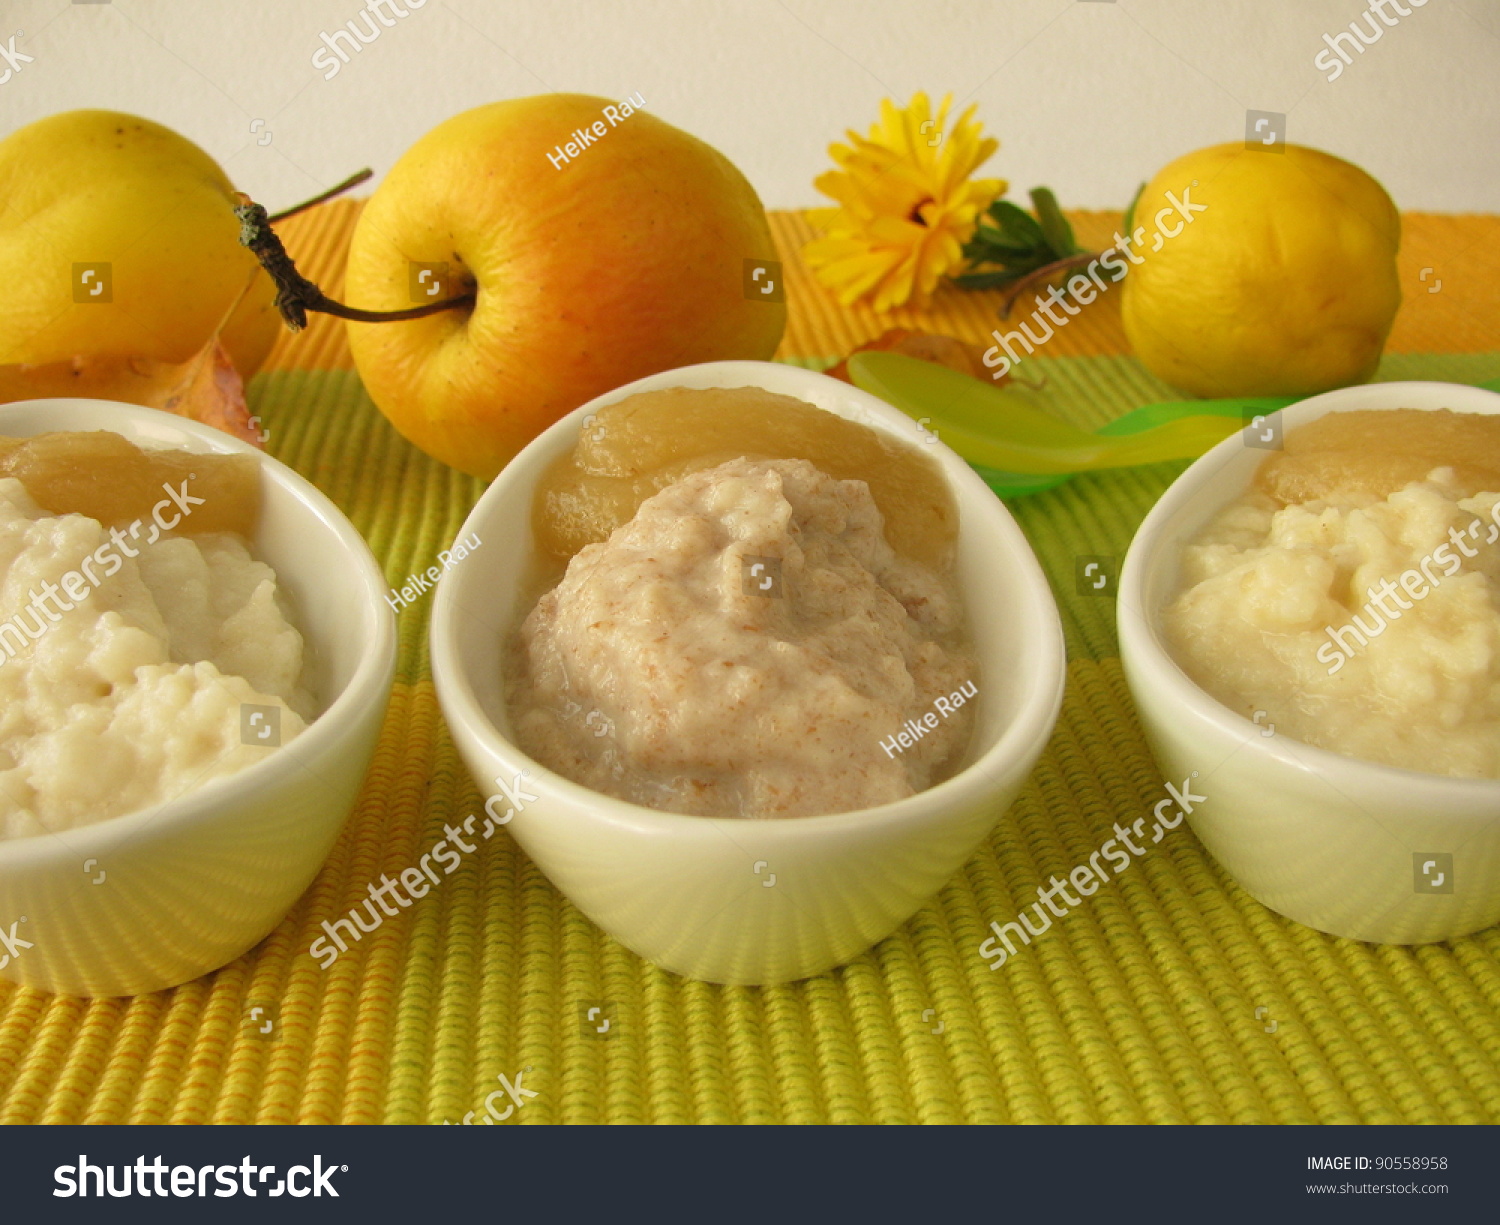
(1152, 1002)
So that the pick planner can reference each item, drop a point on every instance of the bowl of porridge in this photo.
(1309, 623)
(753, 667)
(195, 657)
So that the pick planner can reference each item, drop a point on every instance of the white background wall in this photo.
(1087, 96)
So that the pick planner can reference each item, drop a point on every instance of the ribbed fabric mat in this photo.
(1149, 1003)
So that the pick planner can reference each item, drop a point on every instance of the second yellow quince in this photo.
(1282, 283)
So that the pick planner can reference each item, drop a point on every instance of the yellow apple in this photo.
(602, 245)
(118, 240)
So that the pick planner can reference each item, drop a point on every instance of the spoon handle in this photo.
(1006, 438)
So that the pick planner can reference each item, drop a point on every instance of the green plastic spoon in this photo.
(1016, 484)
(1019, 450)
(1000, 433)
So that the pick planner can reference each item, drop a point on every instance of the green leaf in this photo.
(1016, 222)
(1054, 226)
(1009, 243)
(1130, 212)
(989, 236)
(1007, 257)
(986, 280)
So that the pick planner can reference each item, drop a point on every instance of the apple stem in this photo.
(296, 295)
(354, 180)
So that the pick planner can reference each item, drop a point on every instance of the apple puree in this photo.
(637, 447)
(108, 478)
(1373, 453)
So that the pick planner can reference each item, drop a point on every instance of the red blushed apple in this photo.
(601, 244)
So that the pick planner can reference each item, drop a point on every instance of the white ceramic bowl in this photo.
(1331, 841)
(187, 886)
(740, 901)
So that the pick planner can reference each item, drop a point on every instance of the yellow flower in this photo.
(906, 205)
